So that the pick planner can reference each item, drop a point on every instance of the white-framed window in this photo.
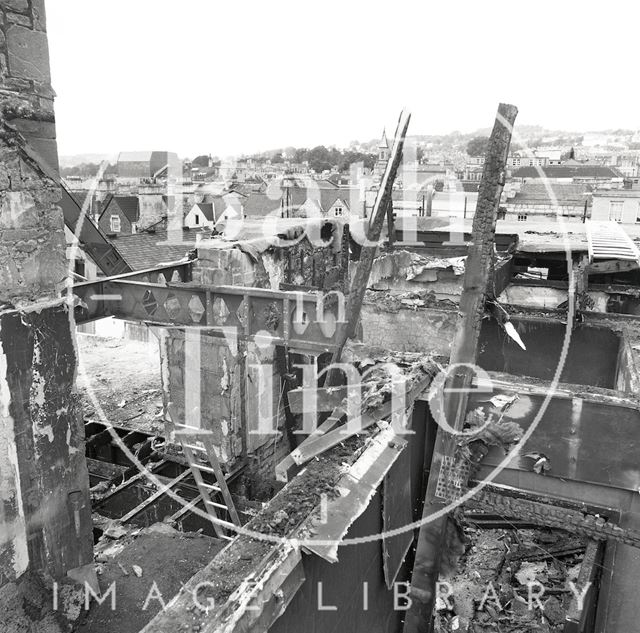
(114, 222)
(337, 211)
(615, 210)
(522, 217)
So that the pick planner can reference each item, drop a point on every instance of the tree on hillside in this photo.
(477, 146)
(320, 159)
(200, 161)
(88, 170)
(349, 157)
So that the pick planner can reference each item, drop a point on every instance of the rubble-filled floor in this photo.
(499, 576)
(123, 376)
(133, 563)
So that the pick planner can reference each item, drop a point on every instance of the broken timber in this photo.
(326, 437)
(360, 280)
(463, 356)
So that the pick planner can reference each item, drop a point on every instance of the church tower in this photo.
(383, 155)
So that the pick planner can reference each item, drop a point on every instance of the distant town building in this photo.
(572, 172)
(383, 156)
(297, 197)
(543, 201)
(621, 206)
(120, 216)
(145, 166)
(201, 214)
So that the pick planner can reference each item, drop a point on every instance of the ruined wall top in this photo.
(32, 241)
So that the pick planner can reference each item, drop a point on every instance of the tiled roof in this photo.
(129, 205)
(148, 249)
(206, 208)
(567, 171)
(81, 197)
(260, 205)
(617, 193)
(552, 194)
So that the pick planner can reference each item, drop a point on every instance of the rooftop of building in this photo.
(568, 171)
(157, 245)
(552, 193)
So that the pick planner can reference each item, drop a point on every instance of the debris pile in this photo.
(379, 374)
(119, 383)
(511, 581)
(384, 300)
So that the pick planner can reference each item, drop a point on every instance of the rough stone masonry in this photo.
(45, 509)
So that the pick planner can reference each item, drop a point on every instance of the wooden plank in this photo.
(576, 620)
(397, 511)
(275, 603)
(308, 450)
(156, 495)
(186, 509)
(612, 266)
(285, 467)
(502, 275)
(243, 611)
(356, 488)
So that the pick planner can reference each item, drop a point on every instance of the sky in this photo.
(219, 77)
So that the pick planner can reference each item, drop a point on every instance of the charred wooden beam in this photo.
(463, 356)
(579, 618)
(369, 250)
(328, 440)
(610, 266)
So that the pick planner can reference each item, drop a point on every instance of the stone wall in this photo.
(409, 330)
(44, 484)
(203, 384)
(220, 384)
(152, 205)
(32, 255)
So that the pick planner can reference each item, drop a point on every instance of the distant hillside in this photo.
(79, 159)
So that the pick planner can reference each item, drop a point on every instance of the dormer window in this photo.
(114, 222)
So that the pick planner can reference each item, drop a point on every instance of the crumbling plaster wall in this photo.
(44, 484)
(404, 271)
(409, 330)
(541, 297)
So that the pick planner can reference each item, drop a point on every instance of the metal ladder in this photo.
(188, 437)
